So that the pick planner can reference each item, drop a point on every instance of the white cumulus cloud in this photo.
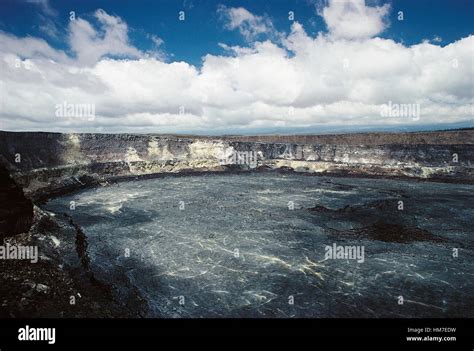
(90, 44)
(352, 19)
(298, 81)
(249, 25)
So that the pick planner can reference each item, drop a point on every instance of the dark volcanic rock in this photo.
(388, 232)
(16, 211)
(321, 209)
(45, 288)
(52, 164)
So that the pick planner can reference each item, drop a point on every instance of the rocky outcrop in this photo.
(16, 211)
(46, 163)
(58, 284)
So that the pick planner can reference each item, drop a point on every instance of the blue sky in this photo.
(236, 66)
(202, 30)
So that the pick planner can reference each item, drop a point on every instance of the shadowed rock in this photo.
(396, 233)
(16, 211)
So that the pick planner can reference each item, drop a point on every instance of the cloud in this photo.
(28, 47)
(111, 38)
(249, 25)
(47, 18)
(45, 7)
(156, 40)
(299, 81)
(157, 51)
(352, 19)
(48, 27)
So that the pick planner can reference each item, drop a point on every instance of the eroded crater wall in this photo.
(42, 163)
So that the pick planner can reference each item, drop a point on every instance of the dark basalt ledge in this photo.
(16, 211)
(36, 166)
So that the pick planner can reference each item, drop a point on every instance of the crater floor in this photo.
(254, 245)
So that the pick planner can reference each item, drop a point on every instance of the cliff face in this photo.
(43, 163)
(16, 211)
(383, 138)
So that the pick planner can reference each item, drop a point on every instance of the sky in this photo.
(235, 67)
